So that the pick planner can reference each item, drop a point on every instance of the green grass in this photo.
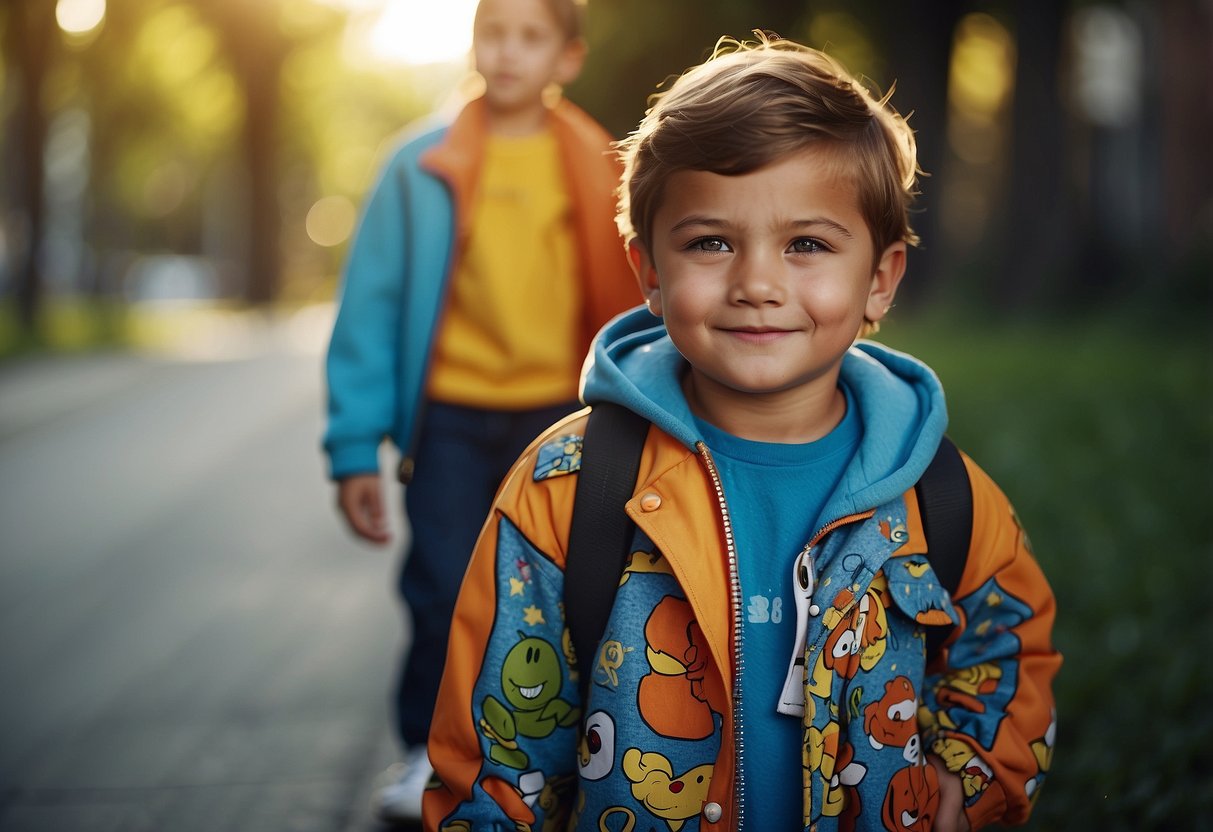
(74, 325)
(1102, 436)
(67, 325)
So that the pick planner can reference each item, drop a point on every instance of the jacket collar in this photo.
(459, 157)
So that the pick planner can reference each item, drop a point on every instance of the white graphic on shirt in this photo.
(763, 610)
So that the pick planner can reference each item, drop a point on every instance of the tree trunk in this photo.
(261, 151)
(1038, 206)
(1186, 116)
(917, 37)
(30, 37)
(256, 49)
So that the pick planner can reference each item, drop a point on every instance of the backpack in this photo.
(600, 533)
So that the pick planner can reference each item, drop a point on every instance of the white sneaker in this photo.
(400, 800)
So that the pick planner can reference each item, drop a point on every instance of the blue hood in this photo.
(900, 401)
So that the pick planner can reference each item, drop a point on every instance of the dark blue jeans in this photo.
(461, 457)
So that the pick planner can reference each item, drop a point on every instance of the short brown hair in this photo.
(754, 102)
(569, 14)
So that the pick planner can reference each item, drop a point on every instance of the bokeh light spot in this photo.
(983, 66)
(330, 221)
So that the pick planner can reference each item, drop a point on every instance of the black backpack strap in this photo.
(600, 532)
(945, 503)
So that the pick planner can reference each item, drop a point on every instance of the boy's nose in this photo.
(511, 48)
(757, 281)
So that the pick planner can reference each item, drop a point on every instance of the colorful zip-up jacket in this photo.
(408, 242)
(659, 743)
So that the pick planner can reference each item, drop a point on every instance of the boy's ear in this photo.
(646, 275)
(889, 270)
(572, 59)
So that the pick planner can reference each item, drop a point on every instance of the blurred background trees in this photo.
(218, 149)
(202, 150)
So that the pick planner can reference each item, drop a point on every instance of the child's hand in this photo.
(360, 499)
(951, 816)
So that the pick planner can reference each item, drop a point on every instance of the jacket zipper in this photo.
(738, 808)
(807, 551)
(806, 554)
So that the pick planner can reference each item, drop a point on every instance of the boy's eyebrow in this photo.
(697, 219)
(711, 222)
(829, 223)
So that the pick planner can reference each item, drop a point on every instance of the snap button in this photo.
(650, 501)
(712, 812)
(814, 609)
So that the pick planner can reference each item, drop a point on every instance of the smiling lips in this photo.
(757, 334)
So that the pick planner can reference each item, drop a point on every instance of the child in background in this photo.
(764, 666)
(486, 259)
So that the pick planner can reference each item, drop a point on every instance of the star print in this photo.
(516, 587)
(533, 615)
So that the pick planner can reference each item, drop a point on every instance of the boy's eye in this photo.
(807, 245)
(709, 244)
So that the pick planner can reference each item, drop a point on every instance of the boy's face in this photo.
(519, 49)
(764, 279)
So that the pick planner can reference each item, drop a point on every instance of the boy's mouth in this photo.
(757, 334)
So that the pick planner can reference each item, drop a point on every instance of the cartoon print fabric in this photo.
(526, 710)
(868, 716)
(558, 458)
(659, 695)
(652, 663)
(641, 753)
(862, 752)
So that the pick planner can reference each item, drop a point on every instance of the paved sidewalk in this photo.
(188, 638)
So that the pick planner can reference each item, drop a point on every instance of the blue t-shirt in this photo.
(775, 494)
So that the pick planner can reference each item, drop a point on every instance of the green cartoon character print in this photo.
(531, 682)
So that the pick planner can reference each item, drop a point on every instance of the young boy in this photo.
(485, 261)
(764, 665)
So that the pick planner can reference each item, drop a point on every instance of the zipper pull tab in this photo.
(791, 698)
(804, 577)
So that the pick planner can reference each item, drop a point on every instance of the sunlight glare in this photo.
(419, 32)
(79, 17)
